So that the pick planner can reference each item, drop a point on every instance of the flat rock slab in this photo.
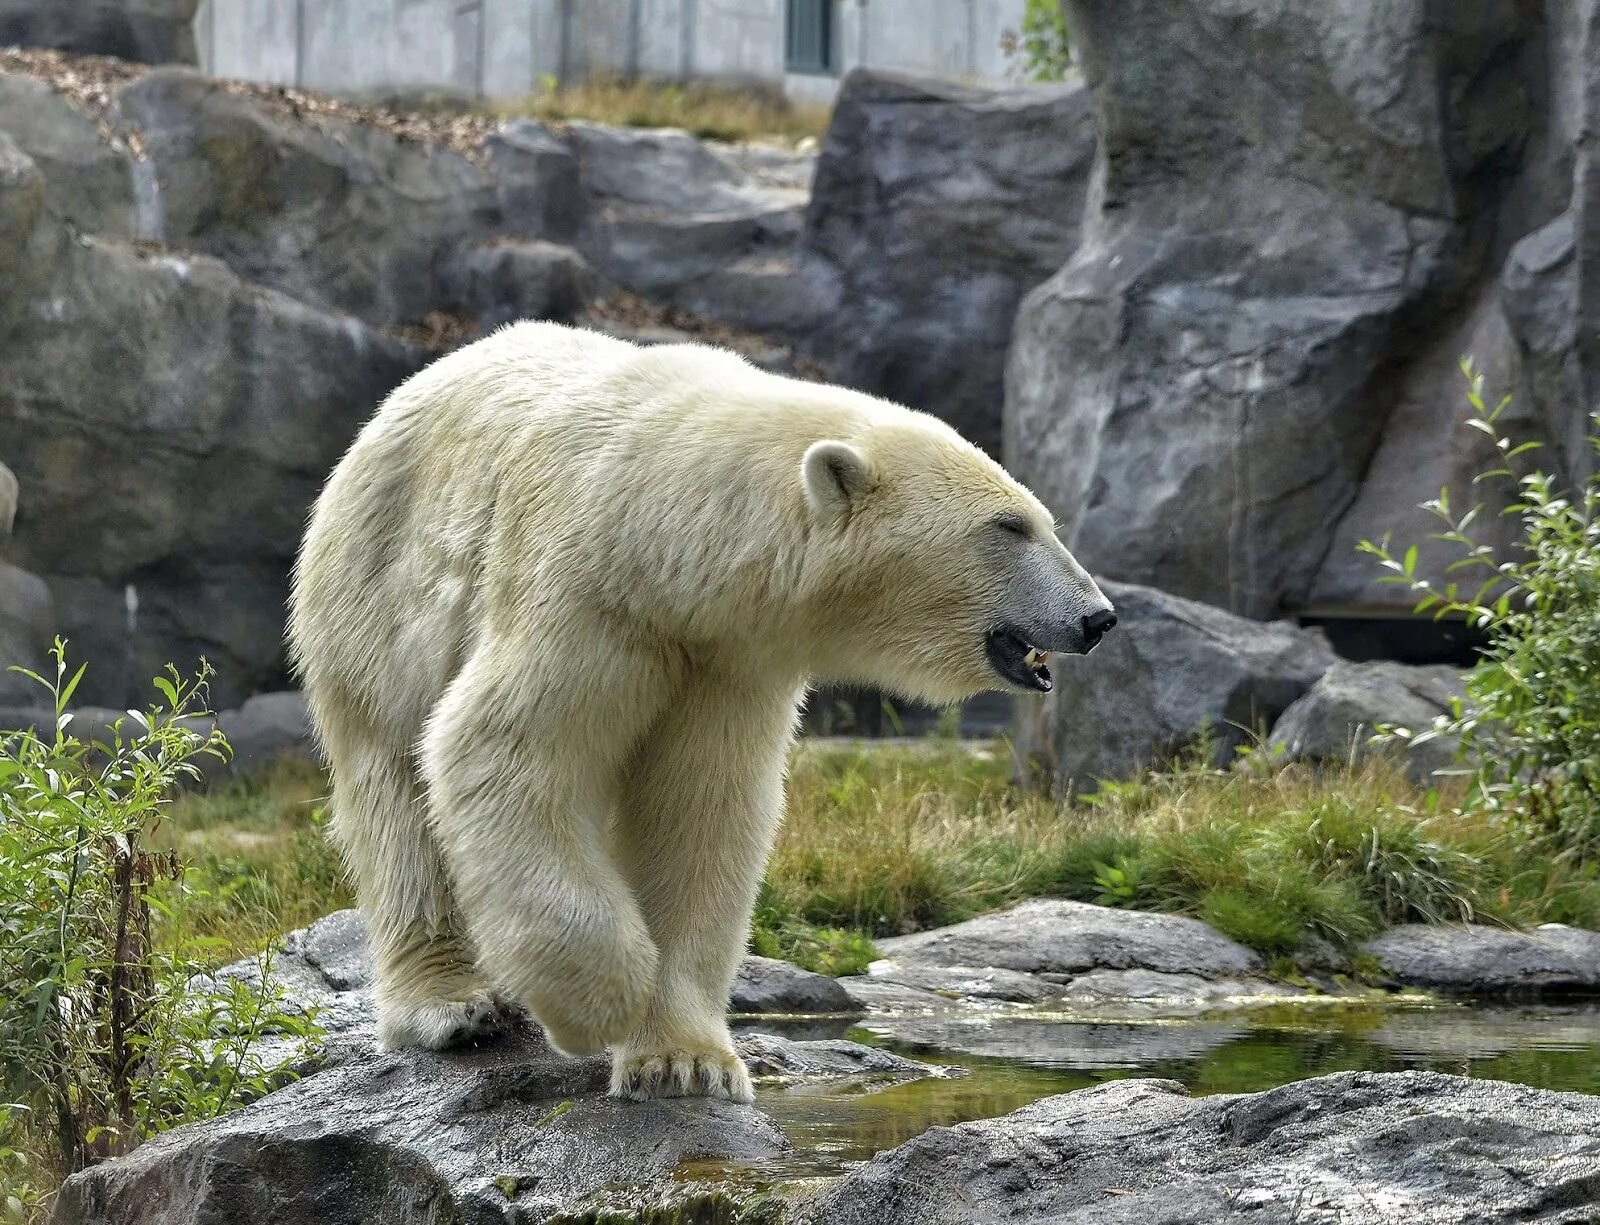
(1375, 1148)
(505, 1131)
(1472, 959)
(967, 982)
(1071, 938)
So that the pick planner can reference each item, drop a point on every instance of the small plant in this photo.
(104, 1040)
(1043, 46)
(1117, 884)
(1530, 725)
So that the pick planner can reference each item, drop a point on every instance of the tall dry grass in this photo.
(714, 112)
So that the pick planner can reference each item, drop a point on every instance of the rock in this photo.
(936, 207)
(268, 727)
(27, 629)
(154, 31)
(338, 948)
(1281, 268)
(476, 1135)
(1069, 938)
(203, 413)
(966, 982)
(1470, 959)
(1335, 720)
(502, 282)
(670, 211)
(8, 500)
(881, 996)
(339, 214)
(503, 1130)
(1173, 670)
(1401, 1148)
(766, 985)
(537, 183)
(833, 1059)
(88, 180)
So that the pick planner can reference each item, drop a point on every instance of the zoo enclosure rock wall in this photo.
(1301, 216)
(269, 255)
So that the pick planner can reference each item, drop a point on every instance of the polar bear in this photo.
(600, 577)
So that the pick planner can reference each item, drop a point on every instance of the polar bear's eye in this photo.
(1015, 524)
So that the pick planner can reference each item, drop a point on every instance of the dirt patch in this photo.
(437, 331)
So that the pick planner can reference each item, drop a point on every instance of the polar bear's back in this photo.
(526, 441)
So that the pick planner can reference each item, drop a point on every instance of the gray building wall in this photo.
(509, 47)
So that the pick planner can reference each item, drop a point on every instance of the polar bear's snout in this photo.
(1051, 605)
(1023, 656)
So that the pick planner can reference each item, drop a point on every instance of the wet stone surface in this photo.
(872, 1116)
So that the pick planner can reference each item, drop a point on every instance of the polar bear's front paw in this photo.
(437, 1024)
(717, 1072)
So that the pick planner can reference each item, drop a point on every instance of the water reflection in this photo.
(1016, 1059)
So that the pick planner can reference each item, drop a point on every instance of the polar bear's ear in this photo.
(836, 476)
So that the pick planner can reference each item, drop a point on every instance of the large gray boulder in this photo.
(1336, 720)
(1299, 221)
(936, 207)
(171, 425)
(1403, 1148)
(1061, 939)
(340, 214)
(155, 31)
(1475, 959)
(1173, 670)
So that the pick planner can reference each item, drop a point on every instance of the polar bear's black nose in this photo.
(1095, 626)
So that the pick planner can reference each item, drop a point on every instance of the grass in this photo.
(714, 112)
(260, 863)
(886, 839)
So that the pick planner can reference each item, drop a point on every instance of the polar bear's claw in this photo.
(681, 1073)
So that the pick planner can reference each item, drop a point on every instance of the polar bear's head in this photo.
(948, 575)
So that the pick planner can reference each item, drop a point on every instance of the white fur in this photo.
(601, 576)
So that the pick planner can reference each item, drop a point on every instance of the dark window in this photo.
(808, 46)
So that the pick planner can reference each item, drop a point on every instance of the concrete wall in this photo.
(508, 47)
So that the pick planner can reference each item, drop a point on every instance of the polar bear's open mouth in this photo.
(1017, 660)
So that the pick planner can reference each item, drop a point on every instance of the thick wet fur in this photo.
(597, 579)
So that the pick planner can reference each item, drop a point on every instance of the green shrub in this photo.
(1043, 44)
(103, 1039)
(1530, 724)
